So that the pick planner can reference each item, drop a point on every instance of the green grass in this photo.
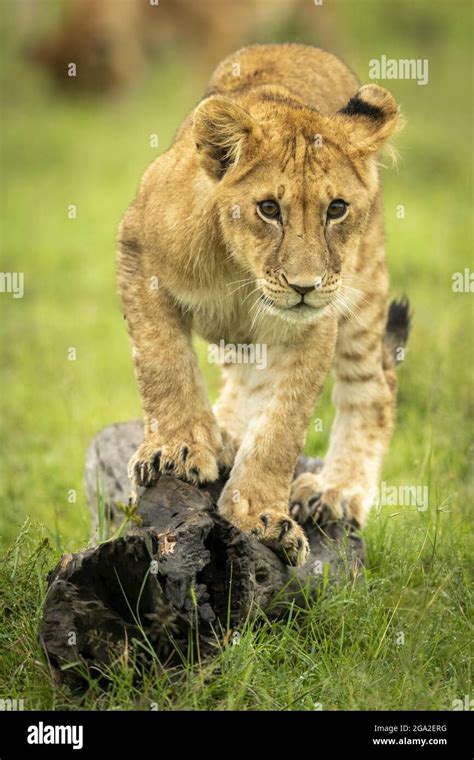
(343, 652)
(399, 640)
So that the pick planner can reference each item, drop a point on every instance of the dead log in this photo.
(180, 567)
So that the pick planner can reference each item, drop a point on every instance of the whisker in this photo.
(245, 280)
(258, 300)
(353, 313)
(262, 302)
(356, 278)
(349, 287)
(339, 300)
(250, 294)
(258, 316)
(255, 317)
(360, 293)
(244, 285)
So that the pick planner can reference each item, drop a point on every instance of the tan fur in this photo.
(274, 131)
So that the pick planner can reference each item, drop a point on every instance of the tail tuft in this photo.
(398, 326)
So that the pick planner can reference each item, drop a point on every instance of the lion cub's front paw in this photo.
(277, 531)
(311, 498)
(190, 461)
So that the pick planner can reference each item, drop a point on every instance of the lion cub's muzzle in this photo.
(301, 299)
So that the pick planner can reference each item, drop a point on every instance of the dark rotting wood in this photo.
(180, 567)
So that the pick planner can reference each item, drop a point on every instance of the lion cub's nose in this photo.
(302, 289)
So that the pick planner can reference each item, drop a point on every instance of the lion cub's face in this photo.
(294, 189)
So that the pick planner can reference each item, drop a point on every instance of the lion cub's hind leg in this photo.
(364, 396)
(231, 411)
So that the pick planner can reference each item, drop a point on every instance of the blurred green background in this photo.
(90, 151)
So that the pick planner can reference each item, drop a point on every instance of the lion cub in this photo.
(262, 224)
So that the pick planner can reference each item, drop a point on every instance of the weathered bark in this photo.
(180, 567)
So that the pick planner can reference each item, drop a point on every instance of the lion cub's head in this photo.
(294, 188)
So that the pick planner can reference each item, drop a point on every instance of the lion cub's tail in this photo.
(397, 328)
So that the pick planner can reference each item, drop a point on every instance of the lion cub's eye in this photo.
(337, 209)
(269, 209)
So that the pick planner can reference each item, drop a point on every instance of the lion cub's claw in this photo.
(309, 499)
(196, 464)
(281, 534)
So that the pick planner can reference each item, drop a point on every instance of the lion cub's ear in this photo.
(223, 131)
(370, 117)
